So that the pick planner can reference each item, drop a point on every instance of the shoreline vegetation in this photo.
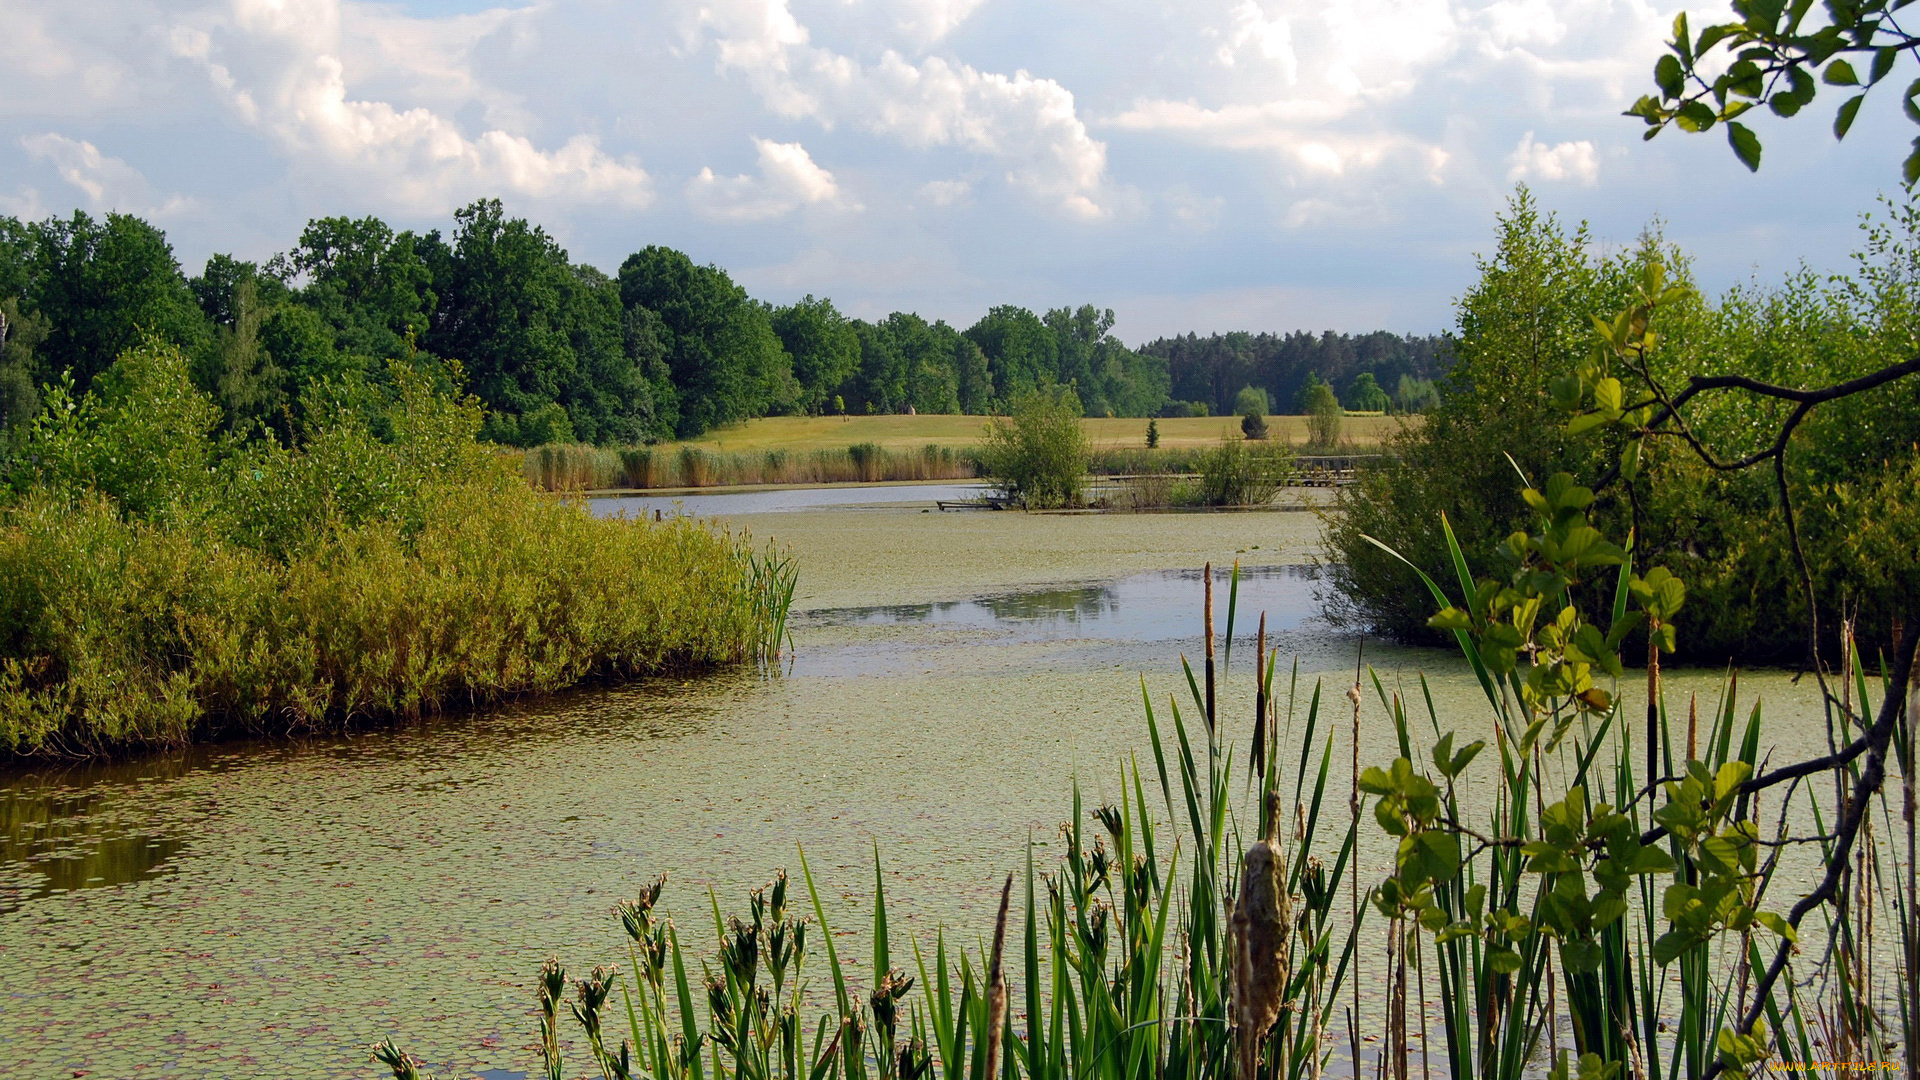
(161, 584)
(803, 450)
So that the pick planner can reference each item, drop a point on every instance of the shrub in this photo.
(1323, 416)
(271, 588)
(1253, 425)
(1235, 474)
(1038, 455)
(1252, 401)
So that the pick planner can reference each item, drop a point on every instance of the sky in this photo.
(1210, 165)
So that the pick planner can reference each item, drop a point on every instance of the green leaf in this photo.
(1502, 960)
(1668, 76)
(1695, 116)
(1580, 957)
(1588, 421)
(1668, 947)
(1883, 60)
(1910, 168)
(1746, 145)
(1843, 120)
(1465, 757)
(1907, 104)
(1651, 860)
(1840, 73)
(1772, 921)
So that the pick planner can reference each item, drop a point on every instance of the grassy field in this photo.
(912, 432)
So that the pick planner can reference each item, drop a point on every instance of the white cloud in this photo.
(788, 180)
(945, 192)
(287, 67)
(108, 183)
(1029, 124)
(1575, 161)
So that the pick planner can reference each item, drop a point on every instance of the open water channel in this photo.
(270, 909)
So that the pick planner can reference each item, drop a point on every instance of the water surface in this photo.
(271, 908)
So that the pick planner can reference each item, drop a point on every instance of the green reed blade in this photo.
(826, 936)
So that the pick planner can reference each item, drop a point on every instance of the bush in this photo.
(1323, 416)
(271, 589)
(1038, 455)
(1253, 425)
(1235, 474)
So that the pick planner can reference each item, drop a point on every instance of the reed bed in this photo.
(577, 467)
(580, 467)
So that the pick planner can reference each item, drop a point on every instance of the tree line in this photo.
(1376, 372)
(558, 350)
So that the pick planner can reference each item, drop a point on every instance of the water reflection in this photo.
(1159, 606)
(52, 843)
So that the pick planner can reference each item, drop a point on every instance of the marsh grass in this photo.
(587, 468)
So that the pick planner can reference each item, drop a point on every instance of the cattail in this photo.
(553, 984)
(1261, 918)
(997, 983)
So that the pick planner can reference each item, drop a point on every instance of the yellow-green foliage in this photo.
(576, 467)
(348, 579)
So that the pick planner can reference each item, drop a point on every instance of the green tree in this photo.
(370, 284)
(143, 436)
(1526, 321)
(103, 287)
(1415, 395)
(1021, 352)
(824, 345)
(1324, 415)
(727, 363)
(20, 332)
(1365, 395)
(533, 329)
(1252, 401)
(1309, 396)
(1038, 454)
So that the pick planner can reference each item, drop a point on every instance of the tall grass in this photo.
(576, 467)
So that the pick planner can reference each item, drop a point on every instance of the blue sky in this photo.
(1212, 165)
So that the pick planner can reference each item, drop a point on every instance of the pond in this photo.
(270, 909)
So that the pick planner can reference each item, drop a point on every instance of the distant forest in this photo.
(560, 351)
